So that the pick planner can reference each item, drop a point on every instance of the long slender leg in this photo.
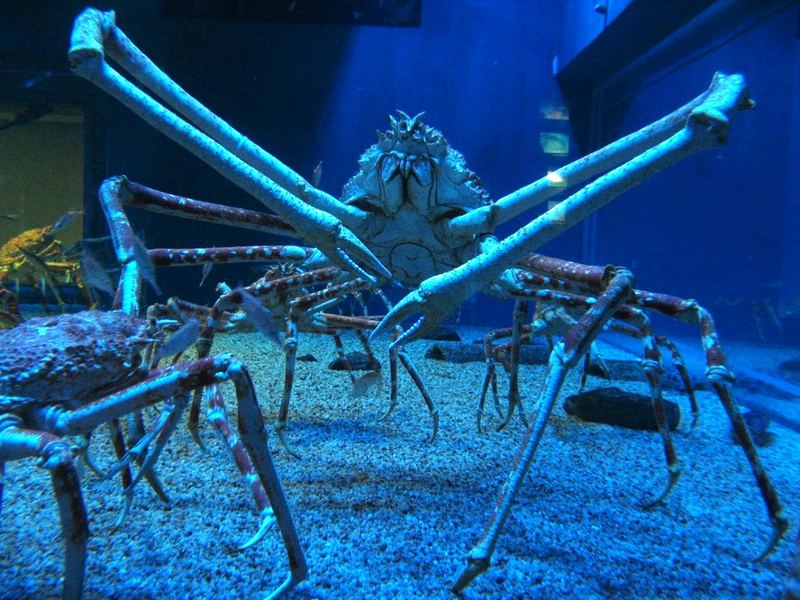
(393, 352)
(141, 453)
(230, 300)
(514, 399)
(490, 376)
(95, 33)
(631, 321)
(706, 127)
(780, 524)
(720, 377)
(119, 445)
(337, 342)
(219, 418)
(373, 377)
(677, 361)
(54, 454)
(651, 365)
(254, 436)
(565, 356)
(412, 371)
(290, 350)
(183, 378)
(589, 279)
(680, 366)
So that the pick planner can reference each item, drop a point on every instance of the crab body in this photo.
(39, 241)
(69, 359)
(410, 184)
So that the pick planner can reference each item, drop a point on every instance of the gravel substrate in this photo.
(384, 514)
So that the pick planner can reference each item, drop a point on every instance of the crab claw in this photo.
(352, 253)
(410, 304)
(435, 298)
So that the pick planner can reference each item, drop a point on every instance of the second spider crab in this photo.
(415, 215)
(65, 375)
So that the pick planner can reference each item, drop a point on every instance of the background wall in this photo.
(41, 173)
(722, 226)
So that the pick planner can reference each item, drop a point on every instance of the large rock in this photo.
(462, 352)
(614, 406)
(358, 361)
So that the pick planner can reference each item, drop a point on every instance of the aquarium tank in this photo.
(569, 222)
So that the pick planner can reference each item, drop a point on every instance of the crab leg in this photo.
(437, 296)
(638, 325)
(590, 280)
(180, 257)
(492, 357)
(186, 377)
(140, 196)
(545, 274)
(303, 305)
(565, 355)
(141, 452)
(87, 54)
(542, 326)
(219, 417)
(54, 454)
(484, 220)
(122, 49)
(514, 399)
(361, 323)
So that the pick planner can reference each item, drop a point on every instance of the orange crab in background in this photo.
(36, 257)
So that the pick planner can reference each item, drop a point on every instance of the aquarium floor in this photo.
(382, 513)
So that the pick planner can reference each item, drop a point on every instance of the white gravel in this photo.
(384, 514)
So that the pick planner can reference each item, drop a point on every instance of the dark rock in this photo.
(443, 334)
(358, 362)
(455, 352)
(463, 352)
(614, 406)
(307, 358)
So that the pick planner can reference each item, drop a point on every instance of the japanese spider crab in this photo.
(65, 375)
(36, 255)
(415, 207)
